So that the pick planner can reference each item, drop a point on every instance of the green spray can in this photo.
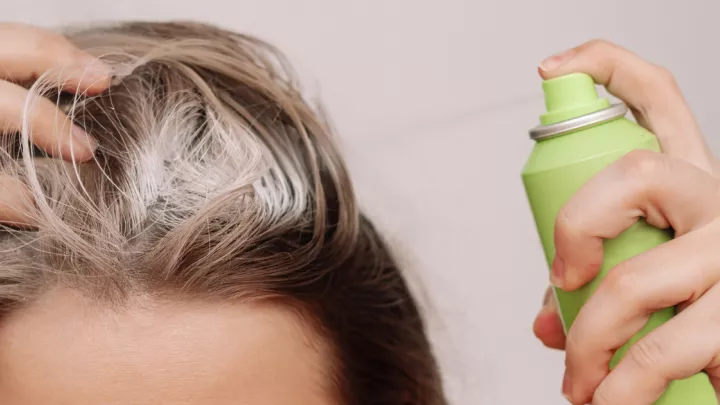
(581, 134)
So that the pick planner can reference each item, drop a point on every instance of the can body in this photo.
(556, 169)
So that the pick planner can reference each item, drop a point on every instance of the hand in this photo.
(679, 188)
(26, 54)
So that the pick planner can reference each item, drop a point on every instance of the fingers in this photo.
(548, 326)
(49, 128)
(27, 53)
(680, 348)
(647, 88)
(643, 184)
(677, 271)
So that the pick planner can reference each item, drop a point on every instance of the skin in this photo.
(678, 188)
(66, 349)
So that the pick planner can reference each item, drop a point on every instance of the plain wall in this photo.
(432, 101)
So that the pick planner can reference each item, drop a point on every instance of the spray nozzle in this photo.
(570, 96)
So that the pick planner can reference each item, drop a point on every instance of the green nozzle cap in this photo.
(570, 96)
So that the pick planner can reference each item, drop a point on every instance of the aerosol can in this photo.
(580, 134)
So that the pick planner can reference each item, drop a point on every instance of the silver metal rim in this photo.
(547, 131)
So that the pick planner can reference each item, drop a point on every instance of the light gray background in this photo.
(432, 100)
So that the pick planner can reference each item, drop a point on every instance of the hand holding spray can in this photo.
(581, 134)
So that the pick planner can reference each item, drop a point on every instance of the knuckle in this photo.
(47, 44)
(37, 40)
(599, 45)
(646, 354)
(657, 88)
(568, 222)
(642, 165)
(664, 77)
(622, 284)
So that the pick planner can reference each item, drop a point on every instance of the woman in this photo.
(199, 241)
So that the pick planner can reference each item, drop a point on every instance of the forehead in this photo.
(65, 350)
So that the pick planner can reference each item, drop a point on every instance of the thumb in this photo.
(547, 326)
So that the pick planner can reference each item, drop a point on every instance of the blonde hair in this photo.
(215, 179)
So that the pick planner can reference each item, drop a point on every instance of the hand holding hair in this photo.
(28, 54)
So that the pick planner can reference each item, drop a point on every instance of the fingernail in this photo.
(96, 69)
(83, 140)
(556, 60)
(557, 275)
(548, 296)
(567, 387)
(551, 305)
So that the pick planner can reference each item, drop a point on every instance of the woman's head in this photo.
(212, 253)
